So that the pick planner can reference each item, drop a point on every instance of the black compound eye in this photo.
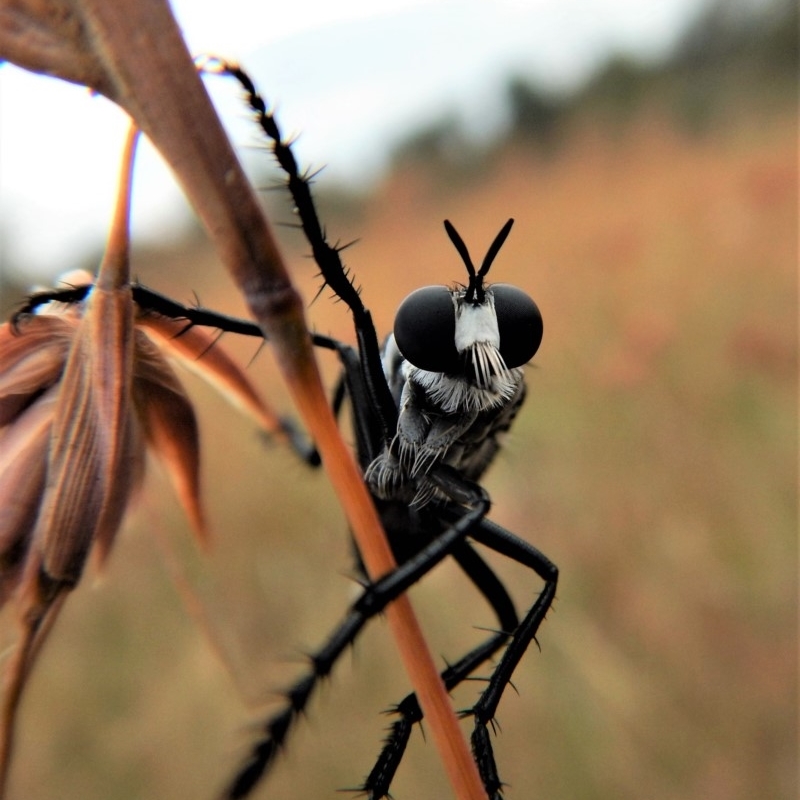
(519, 323)
(425, 329)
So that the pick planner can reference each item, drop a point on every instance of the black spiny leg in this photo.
(68, 295)
(150, 301)
(502, 541)
(326, 256)
(488, 533)
(374, 599)
(408, 710)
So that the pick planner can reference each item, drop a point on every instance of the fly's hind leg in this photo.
(374, 599)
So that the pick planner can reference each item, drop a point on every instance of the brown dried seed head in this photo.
(31, 361)
(87, 455)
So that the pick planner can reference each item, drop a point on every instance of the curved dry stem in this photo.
(36, 626)
(133, 53)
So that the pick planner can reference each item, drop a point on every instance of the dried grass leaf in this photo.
(31, 360)
(198, 349)
(23, 458)
(170, 426)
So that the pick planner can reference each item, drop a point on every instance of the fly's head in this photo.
(477, 332)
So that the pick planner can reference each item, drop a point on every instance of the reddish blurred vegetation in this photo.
(655, 462)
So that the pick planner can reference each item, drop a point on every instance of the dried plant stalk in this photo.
(133, 53)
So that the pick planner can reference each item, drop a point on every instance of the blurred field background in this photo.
(655, 462)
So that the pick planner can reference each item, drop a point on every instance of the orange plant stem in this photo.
(378, 559)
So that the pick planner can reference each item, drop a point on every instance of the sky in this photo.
(351, 78)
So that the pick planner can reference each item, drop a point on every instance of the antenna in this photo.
(475, 291)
